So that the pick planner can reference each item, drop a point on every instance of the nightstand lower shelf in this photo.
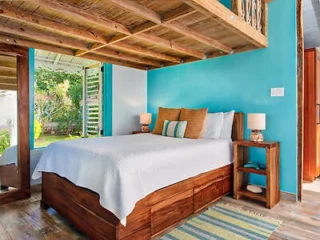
(252, 170)
(257, 196)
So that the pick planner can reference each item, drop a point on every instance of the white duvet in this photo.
(125, 169)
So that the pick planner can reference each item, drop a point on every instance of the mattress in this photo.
(125, 169)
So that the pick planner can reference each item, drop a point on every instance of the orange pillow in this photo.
(171, 114)
(195, 120)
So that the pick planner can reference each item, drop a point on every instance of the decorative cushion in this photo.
(212, 126)
(227, 125)
(195, 119)
(175, 129)
(171, 114)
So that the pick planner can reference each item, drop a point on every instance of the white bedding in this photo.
(125, 169)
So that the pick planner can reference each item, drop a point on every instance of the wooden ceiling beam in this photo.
(28, 32)
(169, 44)
(144, 12)
(144, 27)
(136, 49)
(86, 16)
(220, 14)
(32, 44)
(173, 15)
(15, 14)
(11, 51)
(182, 11)
(127, 57)
(7, 65)
(8, 80)
(101, 58)
(101, 21)
(9, 72)
(66, 51)
(8, 87)
(154, 40)
(189, 32)
(168, 17)
(138, 9)
(67, 30)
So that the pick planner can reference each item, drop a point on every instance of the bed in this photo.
(142, 213)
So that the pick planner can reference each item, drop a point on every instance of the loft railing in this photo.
(254, 12)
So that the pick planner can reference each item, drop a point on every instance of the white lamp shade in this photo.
(145, 118)
(257, 121)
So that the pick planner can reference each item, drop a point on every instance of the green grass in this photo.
(45, 140)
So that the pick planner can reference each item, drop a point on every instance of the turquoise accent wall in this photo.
(227, 3)
(242, 82)
(107, 99)
(31, 94)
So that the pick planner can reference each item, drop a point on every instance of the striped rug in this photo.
(224, 222)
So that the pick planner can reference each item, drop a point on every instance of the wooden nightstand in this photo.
(271, 194)
(138, 132)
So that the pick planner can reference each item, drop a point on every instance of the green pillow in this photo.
(175, 129)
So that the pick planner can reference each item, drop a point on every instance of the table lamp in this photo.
(145, 120)
(256, 122)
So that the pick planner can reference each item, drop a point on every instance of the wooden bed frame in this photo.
(9, 176)
(152, 215)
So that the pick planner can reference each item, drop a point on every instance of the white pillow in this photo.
(212, 126)
(227, 125)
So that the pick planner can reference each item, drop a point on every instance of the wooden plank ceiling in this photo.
(142, 34)
(8, 78)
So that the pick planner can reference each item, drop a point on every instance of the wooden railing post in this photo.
(238, 8)
(254, 12)
(264, 20)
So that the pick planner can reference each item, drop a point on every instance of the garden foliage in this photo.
(58, 96)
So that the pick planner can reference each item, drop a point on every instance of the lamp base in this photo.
(145, 128)
(256, 136)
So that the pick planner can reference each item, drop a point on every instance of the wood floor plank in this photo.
(25, 219)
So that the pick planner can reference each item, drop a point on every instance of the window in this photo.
(67, 98)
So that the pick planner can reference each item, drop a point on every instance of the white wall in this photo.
(9, 111)
(129, 98)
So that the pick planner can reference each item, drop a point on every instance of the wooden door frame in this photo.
(22, 55)
(300, 86)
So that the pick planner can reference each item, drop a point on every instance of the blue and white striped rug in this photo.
(224, 222)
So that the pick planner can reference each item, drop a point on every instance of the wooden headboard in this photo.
(238, 127)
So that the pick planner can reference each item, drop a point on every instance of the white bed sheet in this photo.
(125, 169)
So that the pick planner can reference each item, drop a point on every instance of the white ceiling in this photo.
(59, 61)
(311, 23)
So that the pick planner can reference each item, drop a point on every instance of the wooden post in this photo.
(264, 17)
(238, 8)
(300, 100)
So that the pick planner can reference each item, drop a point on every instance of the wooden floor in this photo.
(25, 220)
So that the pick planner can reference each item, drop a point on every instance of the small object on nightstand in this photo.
(270, 195)
(145, 120)
(254, 189)
(251, 165)
(138, 132)
(256, 122)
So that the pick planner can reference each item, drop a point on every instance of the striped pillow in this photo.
(174, 128)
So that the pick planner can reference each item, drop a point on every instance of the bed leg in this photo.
(43, 205)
